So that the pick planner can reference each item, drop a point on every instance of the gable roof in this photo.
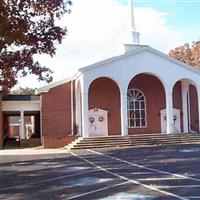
(136, 51)
(52, 85)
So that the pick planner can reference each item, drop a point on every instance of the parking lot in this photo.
(165, 172)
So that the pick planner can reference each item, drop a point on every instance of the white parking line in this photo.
(99, 190)
(48, 180)
(143, 167)
(160, 179)
(177, 186)
(128, 179)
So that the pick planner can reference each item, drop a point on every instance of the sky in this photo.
(97, 29)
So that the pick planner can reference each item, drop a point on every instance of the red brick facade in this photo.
(1, 123)
(194, 114)
(56, 115)
(56, 112)
(177, 100)
(57, 141)
(154, 92)
(104, 94)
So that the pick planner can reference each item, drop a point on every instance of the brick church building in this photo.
(142, 91)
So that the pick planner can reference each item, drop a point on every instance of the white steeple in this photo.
(135, 36)
(134, 42)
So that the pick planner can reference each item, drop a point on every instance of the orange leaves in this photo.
(189, 54)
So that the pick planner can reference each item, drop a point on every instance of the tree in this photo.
(28, 28)
(189, 54)
(24, 91)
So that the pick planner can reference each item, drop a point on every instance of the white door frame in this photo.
(176, 117)
(98, 122)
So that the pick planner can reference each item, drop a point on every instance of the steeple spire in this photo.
(135, 36)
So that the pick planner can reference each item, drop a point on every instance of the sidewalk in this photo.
(32, 151)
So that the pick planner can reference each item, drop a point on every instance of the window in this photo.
(136, 109)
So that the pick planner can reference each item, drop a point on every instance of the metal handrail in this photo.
(5, 136)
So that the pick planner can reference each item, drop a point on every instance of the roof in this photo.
(20, 98)
(52, 85)
(136, 51)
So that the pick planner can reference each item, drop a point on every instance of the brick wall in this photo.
(194, 113)
(56, 115)
(57, 141)
(1, 123)
(177, 100)
(104, 94)
(155, 101)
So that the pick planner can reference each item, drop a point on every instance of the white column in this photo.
(85, 121)
(124, 119)
(78, 109)
(169, 112)
(22, 132)
(185, 89)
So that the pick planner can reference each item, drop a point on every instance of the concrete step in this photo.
(99, 146)
(135, 140)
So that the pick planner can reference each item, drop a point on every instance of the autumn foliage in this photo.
(189, 54)
(28, 28)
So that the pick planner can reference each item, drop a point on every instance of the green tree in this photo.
(24, 91)
(27, 28)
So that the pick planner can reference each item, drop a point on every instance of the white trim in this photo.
(189, 111)
(14, 124)
(21, 105)
(41, 124)
(72, 108)
(22, 128)
(101, 127)
(145, 109)
(184, 97)
(136, 51)
(176, 124)
(46, 88)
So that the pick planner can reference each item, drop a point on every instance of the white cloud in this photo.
(97, 29)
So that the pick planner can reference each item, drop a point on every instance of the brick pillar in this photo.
(1, 123)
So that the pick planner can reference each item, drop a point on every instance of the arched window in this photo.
(136, 109)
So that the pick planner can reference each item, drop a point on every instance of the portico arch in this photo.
(154, 92)
(185, 98)
(104, 94)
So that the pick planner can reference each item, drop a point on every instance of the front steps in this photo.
(134, 140)
(100, 142)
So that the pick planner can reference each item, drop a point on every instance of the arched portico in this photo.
(104, 94)
(144, 116)
(193, 109)
(185, 98)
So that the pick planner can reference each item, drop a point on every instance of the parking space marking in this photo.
(160, 179)
(48, 180)
(177, 186)
(127, 179)
(143, 167)
(99, 190)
